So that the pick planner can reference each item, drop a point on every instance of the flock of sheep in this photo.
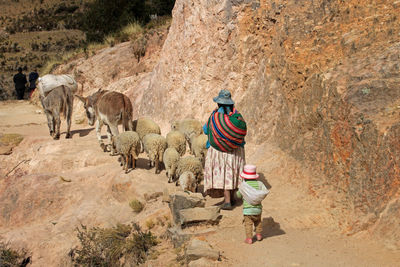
(111, 109)
(146, 137)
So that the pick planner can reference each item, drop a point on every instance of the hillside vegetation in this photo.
(39, 34)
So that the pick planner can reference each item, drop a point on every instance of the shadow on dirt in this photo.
(271, 228)
(264, 180)
(81, 132)
(143, 163)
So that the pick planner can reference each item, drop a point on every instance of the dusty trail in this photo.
(40, 211)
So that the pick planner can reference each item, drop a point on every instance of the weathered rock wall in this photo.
(320, 78)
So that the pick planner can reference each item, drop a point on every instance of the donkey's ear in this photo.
(99, 90)
(81, 98)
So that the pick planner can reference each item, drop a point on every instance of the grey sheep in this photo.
(192, 164)
(187, 127)
(154, 146)
(177, 140)
(171, 158)
(188, 182)
(145, 126)
(199, 144)
(126, 144)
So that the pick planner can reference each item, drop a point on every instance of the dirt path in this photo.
(40, 211)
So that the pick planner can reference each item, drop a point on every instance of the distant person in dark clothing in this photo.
(20, 83)
(33, 76)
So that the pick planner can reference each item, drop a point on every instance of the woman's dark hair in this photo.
(227, 108)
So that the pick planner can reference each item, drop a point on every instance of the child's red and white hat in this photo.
(249, 172)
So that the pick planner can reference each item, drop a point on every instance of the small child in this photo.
(251, 213)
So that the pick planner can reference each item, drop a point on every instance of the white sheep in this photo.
(188, 182)
(171, 158)
(127, 145)
(145, 126)
(177, 140)
(187, 127)
(154, 146)
(199, 144)
(192, 164)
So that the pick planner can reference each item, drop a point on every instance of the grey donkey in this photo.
(58, 101)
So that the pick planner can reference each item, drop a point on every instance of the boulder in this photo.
(184, 200)
(202, 262)
(153, 196)
(200, 249)
(6, 150)
(177, 236)
(208, 214)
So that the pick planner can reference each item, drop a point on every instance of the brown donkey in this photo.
(109, 108)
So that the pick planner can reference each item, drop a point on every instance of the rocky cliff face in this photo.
(319, 78)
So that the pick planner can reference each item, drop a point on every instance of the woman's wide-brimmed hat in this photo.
(224, 97)
(249, 172)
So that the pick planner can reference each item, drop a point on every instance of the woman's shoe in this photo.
(226, 206)
(248, 241)
(259, 237)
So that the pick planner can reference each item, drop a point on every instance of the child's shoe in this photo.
(248, 241)
(259, 237)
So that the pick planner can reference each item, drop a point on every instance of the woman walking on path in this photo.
(225, 158)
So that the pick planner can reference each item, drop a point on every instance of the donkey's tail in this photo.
(70, 104)
(64, 103)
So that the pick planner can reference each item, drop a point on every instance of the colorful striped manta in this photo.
(226, 132)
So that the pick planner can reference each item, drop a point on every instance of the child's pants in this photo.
(249, 220)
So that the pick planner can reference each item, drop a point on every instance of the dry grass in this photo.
(127, 33)
(52, 63)
(11, 257)
(109, 40)
(132, 29)
(11, 139)
(150, 224)
(112, 246)
(164, 21)
(96, 46)
(139, 46)
(136, 205)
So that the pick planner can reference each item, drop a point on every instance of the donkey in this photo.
(109, 108)
(58, 100)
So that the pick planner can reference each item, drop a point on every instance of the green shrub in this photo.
(136, 205)
(112, 246)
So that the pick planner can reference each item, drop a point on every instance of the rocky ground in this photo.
(59, 185)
